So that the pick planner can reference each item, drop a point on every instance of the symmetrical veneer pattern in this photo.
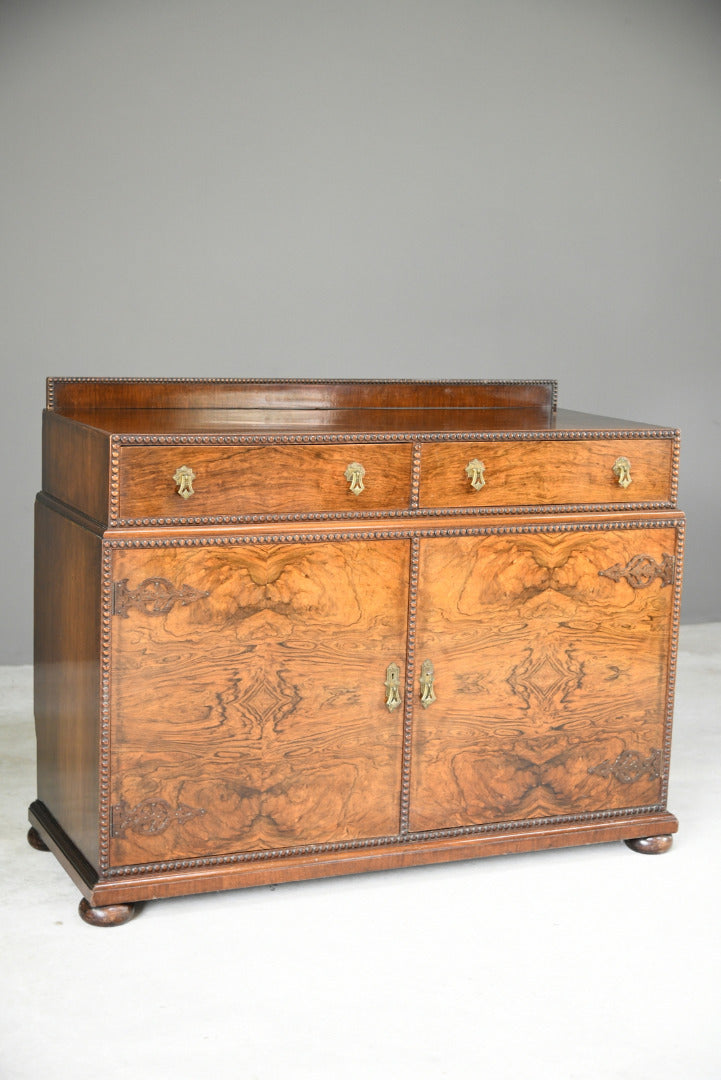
(270, 683)
(546, 673)
(264, 656)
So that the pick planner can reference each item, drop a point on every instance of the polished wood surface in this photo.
(67, 673)
(262, 479)
(280, 448)
(254, 717)
(223, 873)
(76, 465)
(396, 421)
(332, 421)
(550, 678)
(110, 915)
(651, 845)
(214, 674)
(523, 473)
(66, 394)
(281, 479)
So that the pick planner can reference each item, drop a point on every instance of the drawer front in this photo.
(271, 480)
(547, 472)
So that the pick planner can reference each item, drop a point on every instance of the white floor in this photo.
(587, 963)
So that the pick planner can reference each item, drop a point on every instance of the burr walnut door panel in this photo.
(248, 705)
(550, 653)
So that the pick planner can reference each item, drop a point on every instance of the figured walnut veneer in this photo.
(212, 693)
(526, 631)
(271, 691)
(270, 480)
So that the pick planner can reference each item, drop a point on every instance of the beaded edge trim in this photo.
(108, 872)
(376, 842)
(417, 438)
(54, 381)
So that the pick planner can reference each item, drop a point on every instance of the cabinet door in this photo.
(550, 652)
(247, 697)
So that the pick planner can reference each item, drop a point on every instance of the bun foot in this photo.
(36, 841)
(111, 915)
(651, 845)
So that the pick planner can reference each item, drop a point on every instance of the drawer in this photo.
(551, 472)
(232, 481)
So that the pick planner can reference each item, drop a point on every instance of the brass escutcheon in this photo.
(474, 471)
(622, 469)
(354, 475)
(427, 693)
(184, 477)
(393, 687)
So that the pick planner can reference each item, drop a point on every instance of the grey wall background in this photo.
(499, 188)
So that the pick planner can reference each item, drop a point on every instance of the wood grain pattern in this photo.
(129, 393)
(524, 473)
(262, 479)
(260, 709)
(350, 424)
(75, 465)
(139, 883)
(547, 673)
(109, 915)
(651, 845)
(67, 673)
(210, 688)
(323, 422)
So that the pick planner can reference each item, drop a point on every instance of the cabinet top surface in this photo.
(366, 421)
(200, 406)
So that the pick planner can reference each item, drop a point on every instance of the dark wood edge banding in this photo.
(71, 513)
(66, 852)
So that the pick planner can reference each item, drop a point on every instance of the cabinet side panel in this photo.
(75, 465)
(67, 606)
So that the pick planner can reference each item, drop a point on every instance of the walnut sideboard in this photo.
(291, 629)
